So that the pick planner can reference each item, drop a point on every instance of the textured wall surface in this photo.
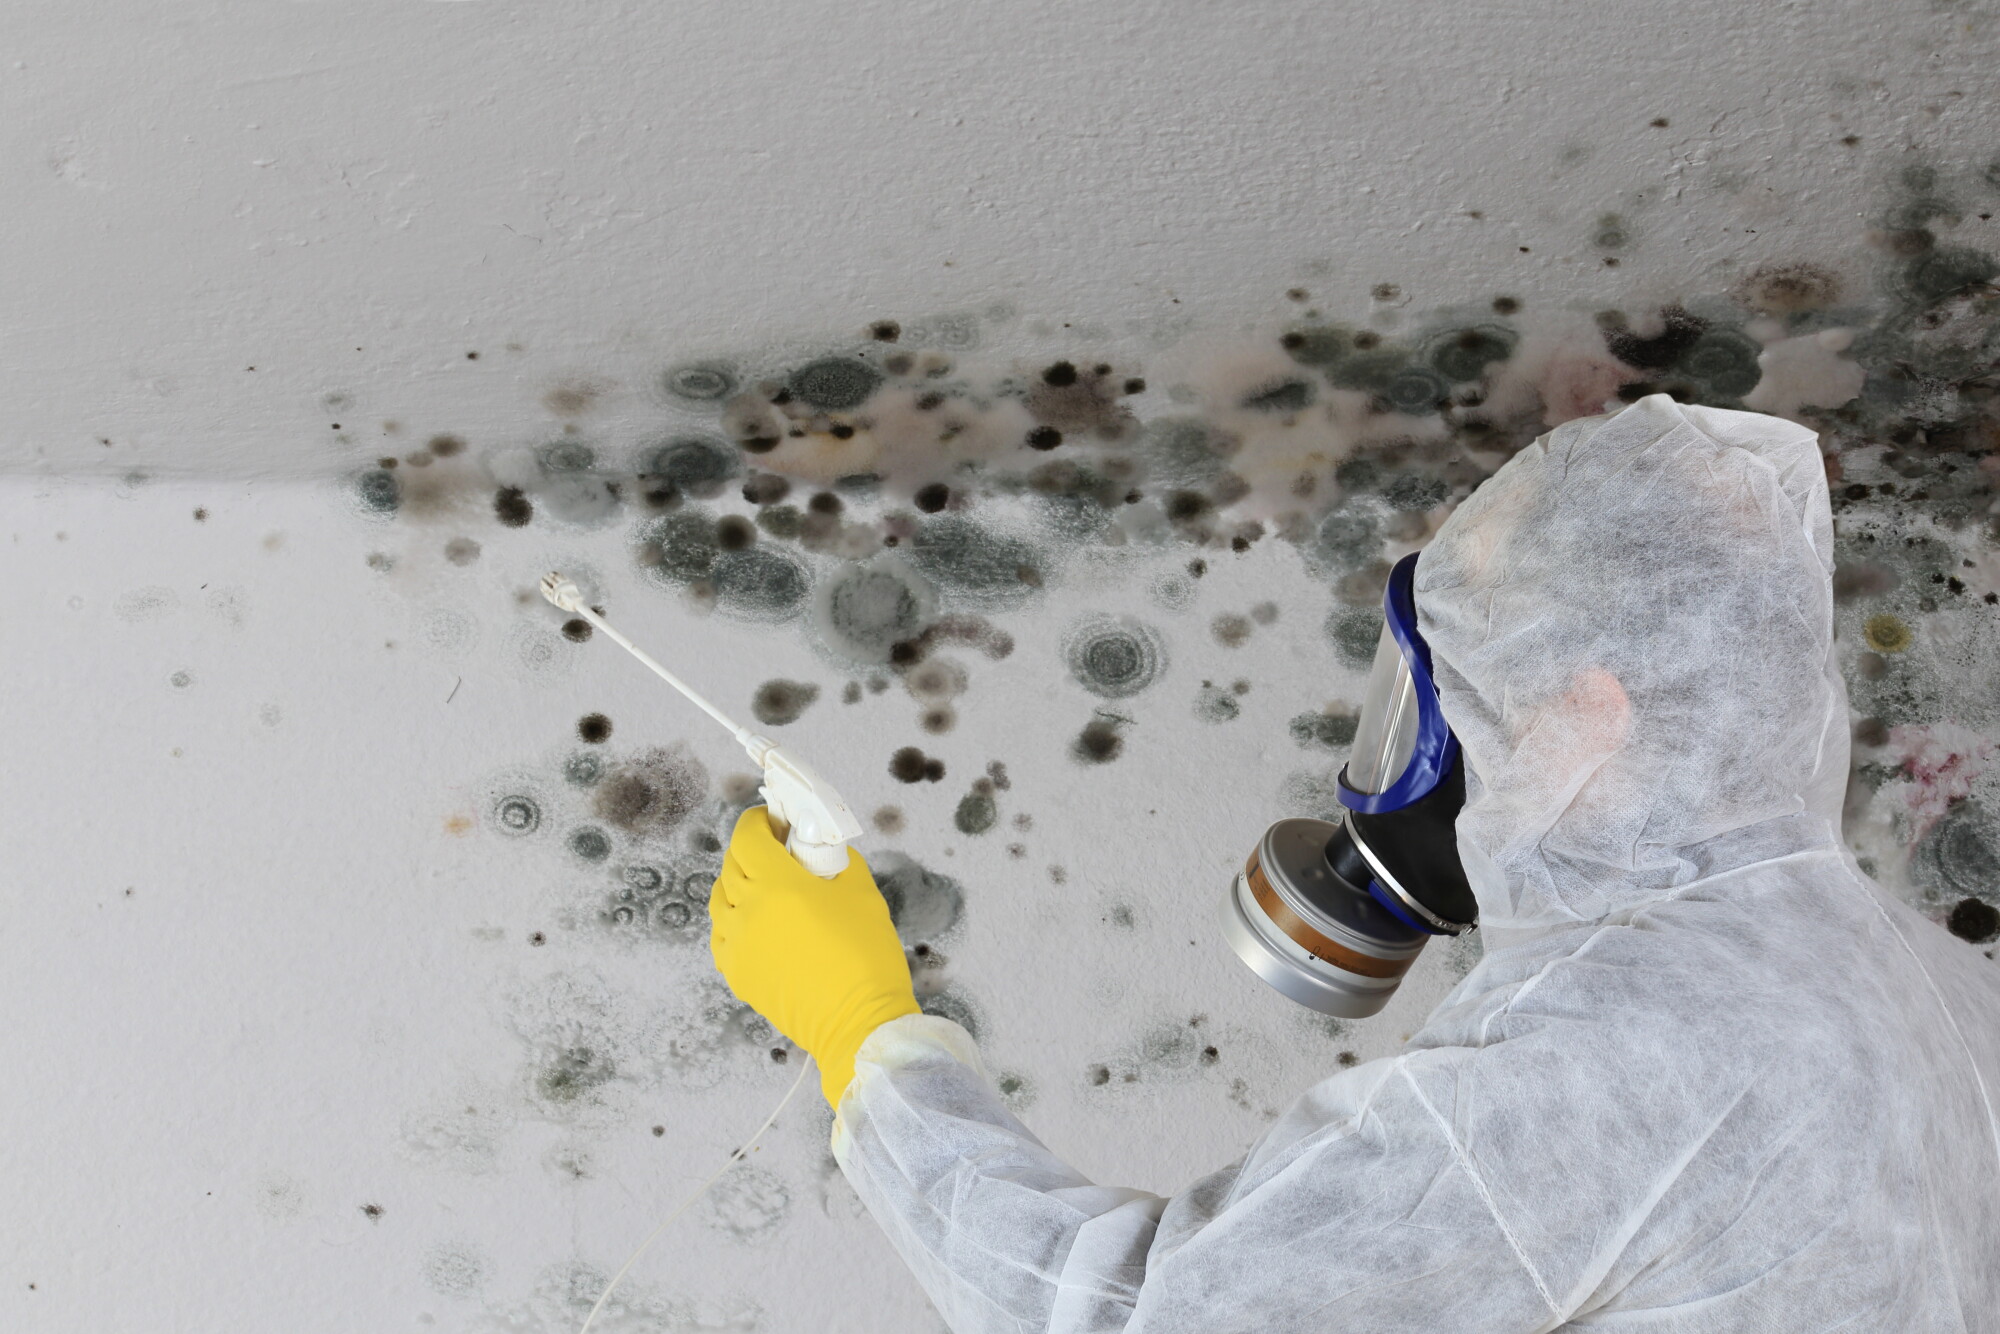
(1014, 407)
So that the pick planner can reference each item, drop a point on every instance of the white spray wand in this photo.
(804, 809)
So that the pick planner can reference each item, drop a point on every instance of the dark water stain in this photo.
(461, 551)
(1114, 657)
(778, 702)
(889, 820)
(650, 794)
(594, 728)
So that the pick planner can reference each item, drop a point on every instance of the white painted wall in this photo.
(351, 196)
(265, 958)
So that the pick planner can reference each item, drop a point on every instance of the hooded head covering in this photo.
(1632, 629)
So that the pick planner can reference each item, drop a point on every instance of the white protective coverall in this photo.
(1708, 1076)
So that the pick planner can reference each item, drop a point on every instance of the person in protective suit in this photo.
(1707, 1077)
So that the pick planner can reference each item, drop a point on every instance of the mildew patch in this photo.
(750, 1204)
(650, 794)
(924, 904)
(1114, 657)
(778, 702)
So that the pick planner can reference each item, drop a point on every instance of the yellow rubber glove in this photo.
(817, 958)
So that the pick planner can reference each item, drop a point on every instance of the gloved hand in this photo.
(817, 958)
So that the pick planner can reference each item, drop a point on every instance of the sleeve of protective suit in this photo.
(1706, 1076)
(1341, 1217)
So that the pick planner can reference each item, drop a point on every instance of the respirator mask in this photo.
(1333, 915)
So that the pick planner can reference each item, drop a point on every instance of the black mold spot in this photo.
(445, 446)
(1099, 742)
(697, 464)
(1098, 1075)
(1785, 289)
(885, 331)
(517, 814)
(781, 521)
(652, 793)
(778, 702)
(1659, 352)
(1291, 395)
(924, 904)
(976, 813)
(1316, 345)
(512, 507)
(1044, 437)
(834, 384)
(1230, 630)
(766, 488)
(825, 502)
(1946, 271)
(1506, 305)
(1974, 921)
(1464, 354)
(734, 532)
(948, 1004)
(1060, 374)
(572, 1072)
(865, 611)
(1414, 493)
(701, 381)
(377, 489)
(930, 499)
(911, 765)
(1331, 730)
(1355, 631)
(1724, 362)
(974, 560)
(576, 630)
(1114, 658)
(590, 843)
(594, 728)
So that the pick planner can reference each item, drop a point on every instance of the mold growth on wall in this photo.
(948, 525)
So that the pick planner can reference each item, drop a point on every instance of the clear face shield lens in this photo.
(1333, 913)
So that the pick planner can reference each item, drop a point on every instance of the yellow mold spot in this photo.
(1886, 633)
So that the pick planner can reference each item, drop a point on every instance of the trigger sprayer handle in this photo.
(825, 860)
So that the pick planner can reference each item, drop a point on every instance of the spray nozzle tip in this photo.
(562, 591)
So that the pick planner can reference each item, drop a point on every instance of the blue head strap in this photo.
(1436, 748)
